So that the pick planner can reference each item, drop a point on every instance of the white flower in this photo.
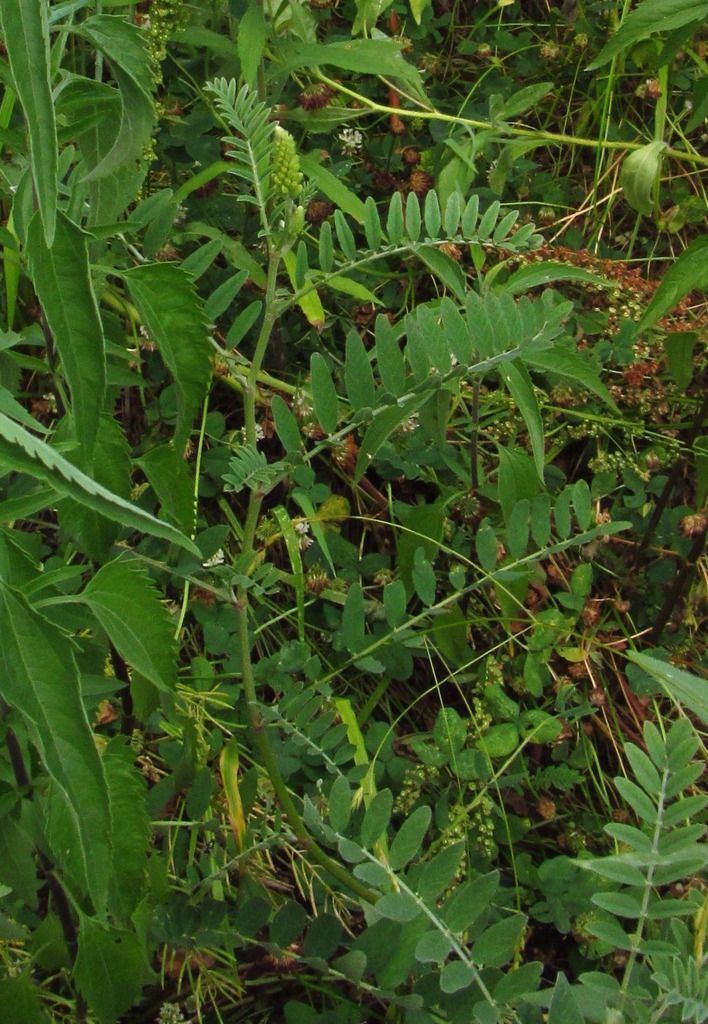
(218, 558)
(351, 141)
(410, 425)
(303, 529)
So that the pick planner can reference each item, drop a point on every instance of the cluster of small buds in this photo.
(351, 141)
(169, 1014)
(317, 580)
(316, 96)
(550, 51)
(286, 175)
(383, 577)
(481, 827)
(266, 529)
(420, 182)
(166, 17)
(616, 462)
(414, 780)
(467, 507)
(581, 40)
(481, 717)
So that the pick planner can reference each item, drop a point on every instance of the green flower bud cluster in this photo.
(414, 780)
(286, 176)
(165, 18)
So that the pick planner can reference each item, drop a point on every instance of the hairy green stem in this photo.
(313, 851)
(538, 134)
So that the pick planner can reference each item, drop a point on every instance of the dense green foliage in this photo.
(353, 478)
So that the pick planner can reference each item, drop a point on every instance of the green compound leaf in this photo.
(377, 817)
(126, 603)
(409, 838)
(358, 376)
(383, 426)
(173, 315)
(563, 1008)
(286, 426)
(24, 453)
(521, 390)
(324, 395)
(63, 283)
(433, 947)
(39, 678)
(497, 945)
(456, 975)
(26, 36)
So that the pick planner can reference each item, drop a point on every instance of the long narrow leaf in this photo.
(174, 316)
(24, 453)
(26, 37)
(125, 48)
(63, 283)
(38, 677)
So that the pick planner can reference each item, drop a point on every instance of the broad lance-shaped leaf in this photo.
(677, 683)
(571, 365)
(92, 110)
(110, 969)
(647, 18)
(171, 479)
(124, 600)
(125, 48)
(26, 36)
(639, 172)
(690, 271)
(19, 998)
(63, 283)
(131, 828)
(39, 678)
(173, 314)
(24, 453)
(250, 41)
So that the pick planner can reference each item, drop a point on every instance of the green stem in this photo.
(520, 133)
(268, 759)
(269, 319)
(646, 895)
(313, 851)
(197, 477)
